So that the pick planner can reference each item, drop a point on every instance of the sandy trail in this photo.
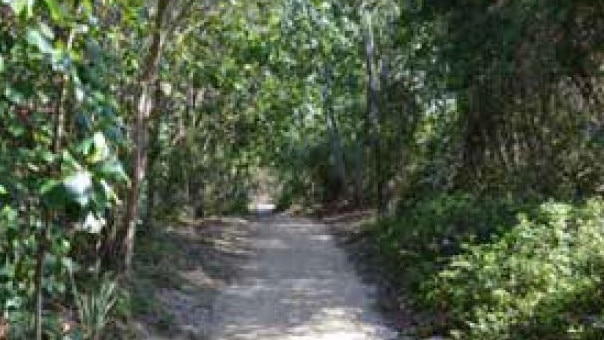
(297, 285)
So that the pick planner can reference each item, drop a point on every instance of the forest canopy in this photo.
(474, 128)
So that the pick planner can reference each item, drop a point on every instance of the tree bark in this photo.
(372, 117)
(140, 133)
(334, 138)
(154, 152)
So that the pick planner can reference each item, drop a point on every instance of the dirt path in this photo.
(280, 278)
(297, 285)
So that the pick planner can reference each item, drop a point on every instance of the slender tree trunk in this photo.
(154, 151)
(358, 174)
(39, 277)
(373, 121)
(334, 138)
(144, 109)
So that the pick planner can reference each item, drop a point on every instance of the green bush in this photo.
(541, 279)
(494, 268)
(420, 239)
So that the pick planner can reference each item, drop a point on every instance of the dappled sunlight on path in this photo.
(298, 285)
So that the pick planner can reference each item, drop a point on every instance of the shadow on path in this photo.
(181, 271)
(297, 285)
(272, 278)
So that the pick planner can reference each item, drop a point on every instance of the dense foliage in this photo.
(496, 269)
(512, 123)
(542, 278)
(461, 122)
(437, 227)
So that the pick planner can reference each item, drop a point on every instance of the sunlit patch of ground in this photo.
(298, 285)
(274, 278)
(180, 272)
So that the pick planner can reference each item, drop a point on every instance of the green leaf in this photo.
(48, 185)
(36, 38)
(79, 187)
(88, 6)
(100, 150)
(13, 95)
(9, 213)
(1, 64)
(108, 194)
(112, 169)
(47, 156)
(56, 11)
(3, 190)
(69, 163)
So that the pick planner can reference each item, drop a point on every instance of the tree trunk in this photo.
(358, 174)
(154, 152)
(372, 117)
(335, 140)
(139, 130)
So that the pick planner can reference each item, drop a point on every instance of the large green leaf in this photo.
(79, 187)
(111, 169)
(35, 37)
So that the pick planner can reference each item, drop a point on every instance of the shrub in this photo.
(95, 307)
(540, 279)
(418, 241)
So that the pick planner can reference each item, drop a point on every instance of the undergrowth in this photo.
(496, 269)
